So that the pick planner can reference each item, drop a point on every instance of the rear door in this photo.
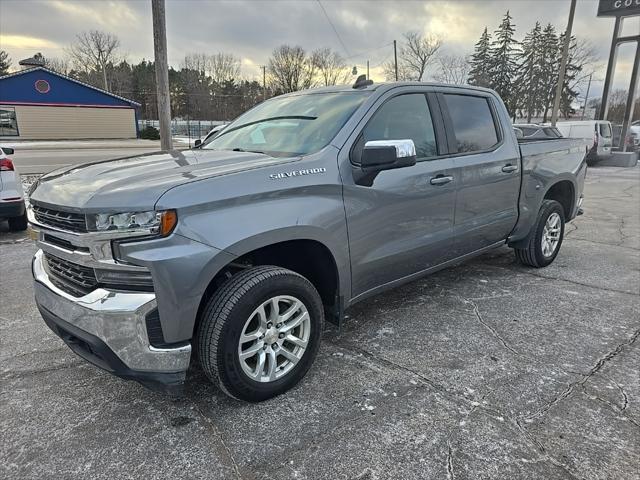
(605, 138)
(402, 222)
(488, 168)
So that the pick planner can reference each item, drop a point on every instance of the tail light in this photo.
(6, 165)
(595, 139)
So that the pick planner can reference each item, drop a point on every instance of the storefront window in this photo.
(8, 122)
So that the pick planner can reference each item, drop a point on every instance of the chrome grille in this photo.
(76, 280)
(72, 222)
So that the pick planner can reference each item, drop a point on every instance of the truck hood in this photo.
(136, 183)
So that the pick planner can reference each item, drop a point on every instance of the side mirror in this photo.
(379, 155)
(197, 143)
(8, 151)
(519, 133)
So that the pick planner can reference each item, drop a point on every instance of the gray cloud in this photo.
(252, 28)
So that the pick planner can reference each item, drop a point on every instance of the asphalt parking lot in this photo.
(486, 370)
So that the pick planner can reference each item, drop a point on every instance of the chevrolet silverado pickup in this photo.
(234, 253)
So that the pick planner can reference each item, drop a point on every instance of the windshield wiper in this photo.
(238, 149)
(269, 119)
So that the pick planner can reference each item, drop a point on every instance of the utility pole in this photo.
(367, 69)
(586, 98)
(563, 64)
(395, 58)
(162, 73)
(264, 83)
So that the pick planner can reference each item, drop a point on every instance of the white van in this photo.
(597, 133)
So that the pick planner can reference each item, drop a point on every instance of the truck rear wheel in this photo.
(260, 332)
(546, 237)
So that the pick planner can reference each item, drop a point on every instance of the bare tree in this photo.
(290, 69)
(223, 67)
(416, 53)
(95, 50)
(585, 59)
(332, 68)
(57, 64)
(195, 61)
(453, 69)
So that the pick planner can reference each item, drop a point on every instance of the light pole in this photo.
(563, 64)
(586, 98)
(395, 58)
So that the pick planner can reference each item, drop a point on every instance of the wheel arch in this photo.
(302, 253)
(563, 192)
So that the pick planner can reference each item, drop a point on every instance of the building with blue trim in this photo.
(40, 104)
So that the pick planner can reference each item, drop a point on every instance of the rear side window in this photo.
(528, 131)
(605, 130)
(473, 123)
(400, 118)
(552, 132)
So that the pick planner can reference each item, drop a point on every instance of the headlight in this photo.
(152, 222)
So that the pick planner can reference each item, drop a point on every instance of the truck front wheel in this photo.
(260, 332)
(545, 238)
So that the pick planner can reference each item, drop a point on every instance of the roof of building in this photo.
(14, 92)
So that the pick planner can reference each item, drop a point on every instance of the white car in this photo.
(634, 133)
(597, 133)
(11, 195)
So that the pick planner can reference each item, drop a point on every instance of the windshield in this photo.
(289, 126)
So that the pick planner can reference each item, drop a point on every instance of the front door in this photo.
(401, 223)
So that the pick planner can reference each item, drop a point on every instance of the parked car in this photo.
(532, 131)
(634, 133)
(212, 133)
(632, 141)
(597, 133)
(302, 207)
(12, 205)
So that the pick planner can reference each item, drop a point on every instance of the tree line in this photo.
(210, 86)
(525, 73)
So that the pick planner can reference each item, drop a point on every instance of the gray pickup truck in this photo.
(234, 253)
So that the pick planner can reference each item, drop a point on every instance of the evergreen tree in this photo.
(479, 74)
(529, 82)
(569, 93)
(549, 66)
(5, 62)
(503, 66)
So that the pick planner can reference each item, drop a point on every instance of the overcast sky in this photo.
(250, 29)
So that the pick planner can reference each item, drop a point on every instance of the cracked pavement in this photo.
(486, 370)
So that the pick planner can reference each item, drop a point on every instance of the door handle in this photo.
(509, 168)
(440, 180)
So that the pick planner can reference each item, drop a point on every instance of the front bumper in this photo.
(108, 329)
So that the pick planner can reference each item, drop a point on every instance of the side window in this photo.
(605, 130)
(400, 118)
(473, 123)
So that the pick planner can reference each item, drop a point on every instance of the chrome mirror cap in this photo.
(404, 148)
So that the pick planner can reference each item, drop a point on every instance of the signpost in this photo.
(617, 8)
(620, 9)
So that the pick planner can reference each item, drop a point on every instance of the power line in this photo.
(334, 28)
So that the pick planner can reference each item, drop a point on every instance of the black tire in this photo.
(18, 224)
(225, 315)
(532, 255)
